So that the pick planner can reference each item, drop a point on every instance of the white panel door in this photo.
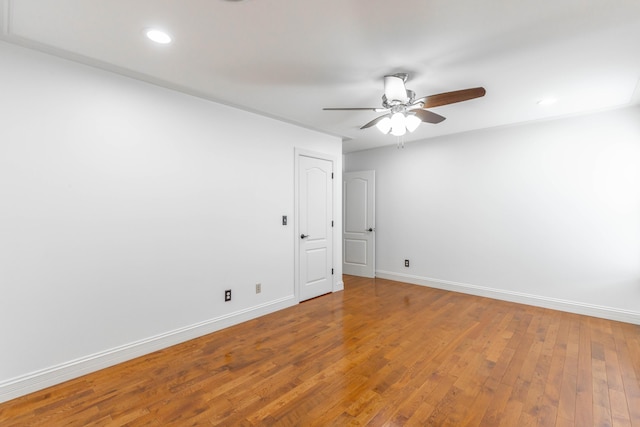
(359, 224)
(315, 205)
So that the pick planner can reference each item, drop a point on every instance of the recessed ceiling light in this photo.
(158, 36)
(547, 101)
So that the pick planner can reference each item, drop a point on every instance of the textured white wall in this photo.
(126, 209)
(548, 209)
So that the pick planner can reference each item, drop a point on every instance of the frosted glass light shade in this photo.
(412, 122)
(398, 127)
(384, 125)
(397, 120)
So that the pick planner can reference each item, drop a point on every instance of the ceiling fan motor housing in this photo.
(394, 89)
(390, 104)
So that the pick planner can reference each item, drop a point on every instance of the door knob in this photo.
(302, 236)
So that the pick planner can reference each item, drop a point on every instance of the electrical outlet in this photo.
(406, 263)
(258, 288)
(227, 295)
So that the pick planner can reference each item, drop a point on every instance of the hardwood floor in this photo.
(379, 353)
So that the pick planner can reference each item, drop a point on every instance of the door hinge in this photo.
(332, 223)
(332, 271)
(331, 175)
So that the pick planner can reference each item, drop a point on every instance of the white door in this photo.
(315, 221)
(359, 224)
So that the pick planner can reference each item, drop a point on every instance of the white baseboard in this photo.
(339, 286)
(610, 313)
(34, 381)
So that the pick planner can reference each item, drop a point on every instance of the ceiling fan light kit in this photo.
(398, 124)
(404, 112)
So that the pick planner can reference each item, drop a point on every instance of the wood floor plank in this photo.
(568, 390)
(627, 345)
(379, 353)
(584, 385)
(533, 403)
(550, 399)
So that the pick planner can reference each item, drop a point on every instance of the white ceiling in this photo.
(290, 58)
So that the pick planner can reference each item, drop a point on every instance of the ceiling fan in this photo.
(403, 112)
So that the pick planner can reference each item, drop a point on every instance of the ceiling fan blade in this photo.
(374, 121)
(428, 116)
(394, 88)
(377, 110)
(451, 97)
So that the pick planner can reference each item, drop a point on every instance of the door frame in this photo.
(336, 282)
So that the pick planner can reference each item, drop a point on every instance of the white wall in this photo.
(545, 213)
(126, 209)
